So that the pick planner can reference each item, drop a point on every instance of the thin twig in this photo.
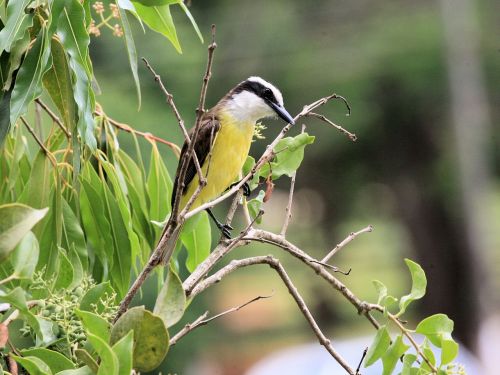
(361, 361)
(54, 117)
(202, 320)
(45, 150)
(348, 239)
(150, 137)
(276, 265)
(405, 332)
(351, 136)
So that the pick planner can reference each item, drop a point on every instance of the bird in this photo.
(226, 132)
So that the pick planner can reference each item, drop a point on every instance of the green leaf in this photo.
(57, 81)
(4, 114)
(123, 350)
(25, 257)
(78, 272)
(75, 40)
(56, 361)
(72, 234)
(159, 186)
(109, 362)
(16, 220)
(247, 167)
(150, 3)
(434, 326)
(191, 18)
(85, 370)
(94, 324)
(66, 273)
(429, 354)
(34, 365)
(29, 77)
(131, 51)
(95, 296)
(37, 192)
(289, 156)
(159, 19)
(43, 328)
(255, 205)
(392, 355)
(449, 350)
(120, 271)
(151, 340)
(418, 286)
(50, 239)
(95, 222)
(17, 52)
(171, 301)
(408, 361)
(16, 24)
(83, 356)
(197, 242)
(381, 290)
(378, 347)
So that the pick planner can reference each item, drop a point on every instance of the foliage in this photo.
(77, 212)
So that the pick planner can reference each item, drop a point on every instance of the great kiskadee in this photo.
(226, 133)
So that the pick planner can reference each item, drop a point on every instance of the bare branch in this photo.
(45, 150)
(54, 117)
(201, 321)
(150, 137)
(361, 361)
(348, 239)
(323, 118)
(276, 265)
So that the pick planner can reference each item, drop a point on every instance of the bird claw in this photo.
(225, 229)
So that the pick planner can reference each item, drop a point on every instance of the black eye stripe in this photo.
(257, 88)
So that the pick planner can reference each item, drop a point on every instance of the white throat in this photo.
(248, 107)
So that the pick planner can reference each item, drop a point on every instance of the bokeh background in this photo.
(423, 80)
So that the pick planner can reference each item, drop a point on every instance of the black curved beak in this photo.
(282, 112)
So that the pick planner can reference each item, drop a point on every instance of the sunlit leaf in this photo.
(392, 355)
(109, 362)
(418, 286)
(16, 24)
(159, 19)
(75, 40)
(255, 205)
(191, 18)
(16, 220)
(95, 324)
(131, 51)
(378, 347)
(123, 350)
(29, 77)
(37, 192)
(25, 257)
(408, 360)
(55, 360)
(34, 365)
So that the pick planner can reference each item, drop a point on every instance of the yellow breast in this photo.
(230, 150)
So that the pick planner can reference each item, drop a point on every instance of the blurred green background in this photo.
(422, 79)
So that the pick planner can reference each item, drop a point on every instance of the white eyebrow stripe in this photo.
(274, 89)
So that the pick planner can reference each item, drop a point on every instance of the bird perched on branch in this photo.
(222, 145)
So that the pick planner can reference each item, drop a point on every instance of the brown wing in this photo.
(206, 136)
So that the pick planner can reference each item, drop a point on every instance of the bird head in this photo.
(256, 98)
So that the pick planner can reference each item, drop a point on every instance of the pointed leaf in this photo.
(197, 242)
(55, 360)
(34, 365)
(124, 349)
(95, 324)
(391, 357)
(418, 286)
(109, 362)
(159, 19)
(18, 20)
(29, 77)
(57, 81)
(16, 220)
(25, 257)
(378, 347)
(171, 300)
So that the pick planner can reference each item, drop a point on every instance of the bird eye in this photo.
(268, 94)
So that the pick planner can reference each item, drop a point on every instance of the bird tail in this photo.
(167, 244)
